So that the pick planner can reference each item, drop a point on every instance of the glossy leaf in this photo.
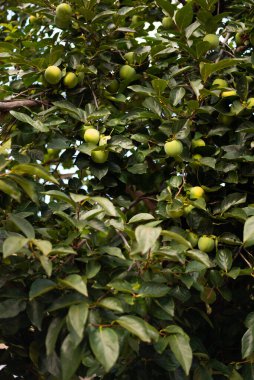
(13, 244)
(105, 346)
(248, 232)
(146, 237)
(76, 282)
(248, 343)
(180, 347)
(138, 327)
(76, 319)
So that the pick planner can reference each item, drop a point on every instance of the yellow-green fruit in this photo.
(62, 23)
(53, 74)
(129, 57)
(173, 148)
(192, 238)
(226, 94)
(239, 39)
(197, 143)
(250, 103)
(196, 192)
(63, 11)
(167, 22)
(220, 83)
(113, 86)
(135, 19)
(212, 39)
(225, 119)
(92, 136)
(196, 157)
(32, 19)
(99, 156)
(127, 72)
(70, 80)
(206, 244)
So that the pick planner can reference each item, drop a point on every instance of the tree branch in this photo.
(10, 105)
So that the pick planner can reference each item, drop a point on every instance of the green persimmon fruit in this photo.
(63, 11)
(135, 19)
(212, 39)
(129, 57)
(167, 22)
(70, 80)
(99, 156)
(113, 86)
(33, 19)
(53, 74)
(92, 136)
(173, 148)
(206, 244)
(196, 192)
(127, 72)
(62, 23)
(239, 40)
(192, 238)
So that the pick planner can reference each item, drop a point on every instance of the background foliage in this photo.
(100, 275)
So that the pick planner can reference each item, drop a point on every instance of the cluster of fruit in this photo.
(53, 75)
(93, 136)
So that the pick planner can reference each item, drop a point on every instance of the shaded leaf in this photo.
(23, 225)
(52, 334)
(10, 308)
(248, 343)
(10, 188)
(40, 287)
(70, 358)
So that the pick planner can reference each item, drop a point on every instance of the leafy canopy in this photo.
(122, 257)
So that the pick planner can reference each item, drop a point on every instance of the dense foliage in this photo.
(126, 189)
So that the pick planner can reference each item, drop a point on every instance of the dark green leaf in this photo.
(40, 287)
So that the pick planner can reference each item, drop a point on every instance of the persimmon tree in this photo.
(126, 189)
